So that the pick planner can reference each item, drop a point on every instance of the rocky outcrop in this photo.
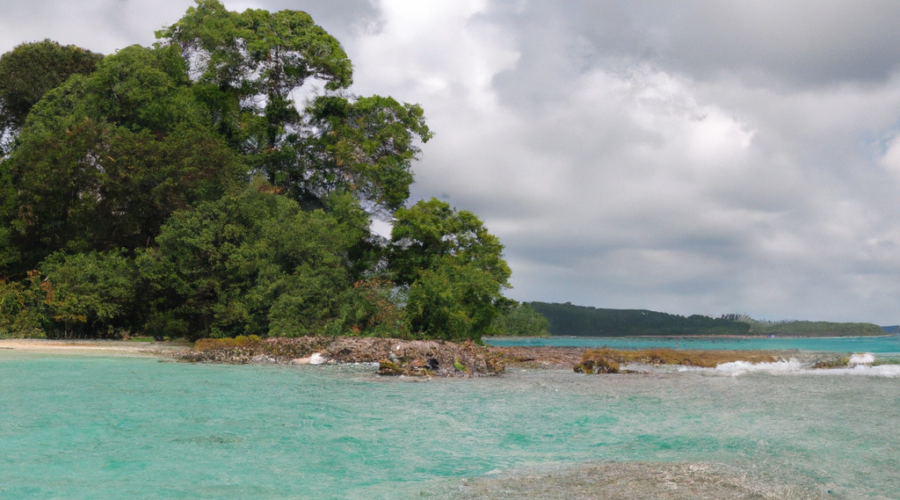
(607, 360)
(533, 357)
(394, 356)
(601, 364)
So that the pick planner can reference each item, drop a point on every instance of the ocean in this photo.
(97, 427)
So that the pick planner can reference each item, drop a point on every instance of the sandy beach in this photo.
(90, 347)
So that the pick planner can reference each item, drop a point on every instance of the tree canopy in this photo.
(180, 190)
(29, 71)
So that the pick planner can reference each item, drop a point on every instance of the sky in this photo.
(694, 157)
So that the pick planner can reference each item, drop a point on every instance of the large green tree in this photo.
(251, 63)
(29, 71)
(104, 159)
(180, 189)
(453, 267)
(251, 263)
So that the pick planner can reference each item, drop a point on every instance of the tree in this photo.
(29, 71)
(520, 320)
(188, 172)
(251, 63)
(91, 294)
(250, 264)
(453, 267)
(431, 232)
(23, 307)
(104, 159)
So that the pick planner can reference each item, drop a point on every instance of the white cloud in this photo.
(625, 184)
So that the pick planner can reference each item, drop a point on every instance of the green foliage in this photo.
(91, 294)
(105, 159)
(814, 329)
(453, 267)
(568, 319)
(30, 70)
(252, 263)
(23, 307)
(374, 308)
(257, 52)
(249, 63)
(363, 146)
(9, 254)
(431, 234)
(521, 320)
(178, 191)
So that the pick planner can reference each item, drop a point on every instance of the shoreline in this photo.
(418, 358)
(121, 348)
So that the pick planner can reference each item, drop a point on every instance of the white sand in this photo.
(88, 347)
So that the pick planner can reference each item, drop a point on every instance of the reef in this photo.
(607, 360)
(539, 357)
(645, 480)
(395, 357)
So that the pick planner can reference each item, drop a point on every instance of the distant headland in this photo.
(583, 321)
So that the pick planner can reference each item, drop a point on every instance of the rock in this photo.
(418, 358)
(387, 367)
(597, 365)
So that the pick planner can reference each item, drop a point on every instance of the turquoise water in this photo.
(104, 428)
(875, 345)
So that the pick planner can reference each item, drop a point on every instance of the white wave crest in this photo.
(862, 359)
(887, 371)
(794, 366)
(741, 367)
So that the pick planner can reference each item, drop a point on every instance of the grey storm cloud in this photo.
(705, 156)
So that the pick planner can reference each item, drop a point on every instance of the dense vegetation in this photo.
(813, 329)
(521, 320)
(568, 319)
(178, 190)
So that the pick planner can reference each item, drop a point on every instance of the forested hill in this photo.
(813, 328)
(568, 319)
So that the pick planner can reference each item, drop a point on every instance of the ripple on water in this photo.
(105, 428)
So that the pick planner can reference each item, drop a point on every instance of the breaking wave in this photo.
(859, 365)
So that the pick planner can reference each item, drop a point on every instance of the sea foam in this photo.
(862, 359)
(861, 366)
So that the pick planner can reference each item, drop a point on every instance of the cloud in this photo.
(108, 25)
(99, 25)
(629, 175)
